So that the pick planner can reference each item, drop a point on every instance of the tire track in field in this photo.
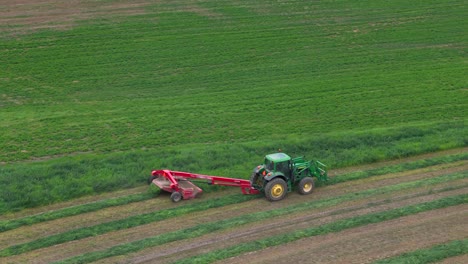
(279, 225)
(48, 14)
(462, 259)
(122, 236)
(395, 178)
(370, 166)
(371, 242)
(28, 233)
(72, 203)
(342, 206)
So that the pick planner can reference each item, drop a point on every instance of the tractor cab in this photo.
(278, 163)
(274, 165)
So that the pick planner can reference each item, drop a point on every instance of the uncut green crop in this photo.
(249, 72)
(389, 77)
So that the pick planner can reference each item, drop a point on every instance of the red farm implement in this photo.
(278, 175)
(178, 183)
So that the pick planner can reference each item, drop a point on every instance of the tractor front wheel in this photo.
(306, 185)
(276, 189)
(176, 197)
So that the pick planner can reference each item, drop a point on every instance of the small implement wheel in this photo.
(306, 185)
(151, 178)
(176, 197)
(276, 189)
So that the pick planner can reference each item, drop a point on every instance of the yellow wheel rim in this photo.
(277, 190)
(307, 187)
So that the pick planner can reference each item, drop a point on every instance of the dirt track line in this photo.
(398, 177)
(74, 246)
(462, 259)
(72, 203)
(40, 14)
(344, 170)
(369, 243)
(278, 225)
(27, 233)
(438, 252)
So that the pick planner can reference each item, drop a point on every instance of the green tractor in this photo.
(280, 174)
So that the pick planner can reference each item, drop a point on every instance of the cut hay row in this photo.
(431, 254)
(337, 226)
(237, 223)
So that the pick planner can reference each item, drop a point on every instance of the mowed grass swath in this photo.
(343, 82)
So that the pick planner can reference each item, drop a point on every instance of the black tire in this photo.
(276, 190)
(255, 179)
(176, 197)
(306, 185)
(151, 178)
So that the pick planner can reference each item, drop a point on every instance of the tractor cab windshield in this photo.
(269, 165)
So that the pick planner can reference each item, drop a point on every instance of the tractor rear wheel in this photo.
(256, 180)
(276, 189)
(176, 197)
(306, 185)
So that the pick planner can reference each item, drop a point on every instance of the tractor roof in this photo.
(277, 157)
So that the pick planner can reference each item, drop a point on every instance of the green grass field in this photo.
(212, 86)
